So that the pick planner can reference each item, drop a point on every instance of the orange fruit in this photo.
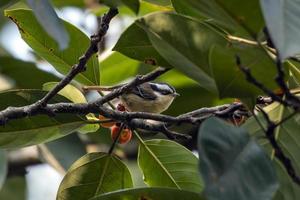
(125, 136)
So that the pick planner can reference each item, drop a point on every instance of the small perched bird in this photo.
(147, 97)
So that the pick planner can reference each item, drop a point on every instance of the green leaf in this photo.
(60, 3)
(35, 129)
(144, 8)
(231, 82)
(283, 21)
(165, 163)
(14, 189)
(150, 194)
(159, 2)
(234, 166)
(94, 174)
(21, 73)
(135, 44)
(69, 91)
(165, 33)
(116, 68)
(240, 18)
(34, 35)
(62, 153)
(133, 5)
(295, 70)
(4, 3)
(3, 167)
(288, 139)
(48, 19)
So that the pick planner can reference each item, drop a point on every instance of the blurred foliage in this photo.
(3, 167)
(48, 19)
(284, 29)
(228, 153)
(62, 153)
(14, 189)
(288, 138)
(20, 73)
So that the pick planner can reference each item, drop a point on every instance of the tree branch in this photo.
(287, 163)
(289, 100)
(81, 66)
(132, 119)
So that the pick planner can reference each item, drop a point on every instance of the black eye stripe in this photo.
(163, 88)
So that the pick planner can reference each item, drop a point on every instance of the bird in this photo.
(151, 97)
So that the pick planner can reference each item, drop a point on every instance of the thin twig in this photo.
(258, 84)
(271, 126)
(112, 147)
(81, 66)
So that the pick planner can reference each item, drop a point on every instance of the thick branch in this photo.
(132, 119)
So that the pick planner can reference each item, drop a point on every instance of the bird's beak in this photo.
(176, 94)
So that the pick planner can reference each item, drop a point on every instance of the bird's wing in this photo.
(144, 91)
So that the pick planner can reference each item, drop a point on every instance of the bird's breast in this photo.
(135, 103)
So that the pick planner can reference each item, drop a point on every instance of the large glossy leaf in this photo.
(3, 167)
(165, 33)
(288, 138)
(234, 166)
(240, 18)
(92, 175)
(116, 68)
(165, 163)
(35, 129)
(283, 21)
(135, 44)
(21, 73)
(62, 153)
(150, 194)
(231, 82)
(48, 19)
(43, 45)
(134, 5)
